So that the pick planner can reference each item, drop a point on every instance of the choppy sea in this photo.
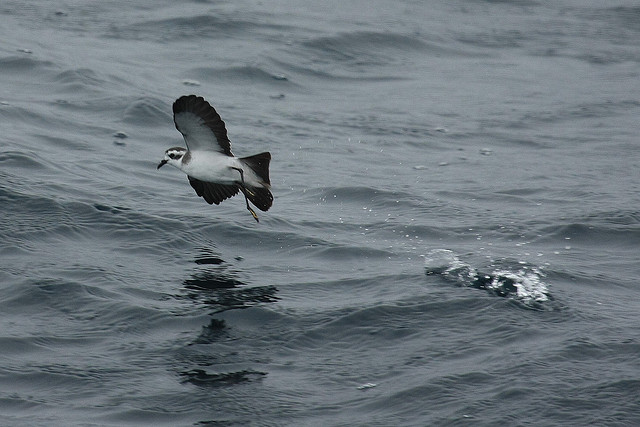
(454, 239)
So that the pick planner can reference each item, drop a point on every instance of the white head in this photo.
(173, 156)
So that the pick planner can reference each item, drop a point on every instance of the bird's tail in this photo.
(259, 196)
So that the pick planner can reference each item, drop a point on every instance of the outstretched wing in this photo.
(213, 193)
(200, 125)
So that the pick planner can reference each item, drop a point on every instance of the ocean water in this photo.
(453, 241)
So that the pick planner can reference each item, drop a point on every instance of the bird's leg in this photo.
(244, 191)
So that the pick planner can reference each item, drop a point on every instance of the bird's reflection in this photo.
(203, 378)
(215, 285)
(221, 291)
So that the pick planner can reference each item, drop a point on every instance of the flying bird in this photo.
(213, 171)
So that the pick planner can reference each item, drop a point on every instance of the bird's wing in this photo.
(213, 193)
(200, 125)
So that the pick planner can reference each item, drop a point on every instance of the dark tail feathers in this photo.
(259, 196)
(260, 165)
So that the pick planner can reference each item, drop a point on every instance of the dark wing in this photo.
(213, 193)
(200, 125)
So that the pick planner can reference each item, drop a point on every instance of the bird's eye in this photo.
(173, 156)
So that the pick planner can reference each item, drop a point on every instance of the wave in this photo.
(21, 160)
(618, 228)
(147, 111)
(203, 26)
(628, 16)
(363, 46)
(241, 75)
(362, 56)
(37, 217)
(564, 114)
(357, 194)
(23, 64)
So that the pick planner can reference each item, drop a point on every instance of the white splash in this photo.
(524, 285)
(529, 285)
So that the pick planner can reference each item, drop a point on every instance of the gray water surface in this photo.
(453, 241)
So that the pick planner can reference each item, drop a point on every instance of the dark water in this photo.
(454, 238)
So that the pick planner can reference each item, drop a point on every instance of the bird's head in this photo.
(173, 156)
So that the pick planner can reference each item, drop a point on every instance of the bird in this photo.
(213, 171)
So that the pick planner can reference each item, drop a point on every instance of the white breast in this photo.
(211, 166)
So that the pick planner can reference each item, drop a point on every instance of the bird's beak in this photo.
(161, 164)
